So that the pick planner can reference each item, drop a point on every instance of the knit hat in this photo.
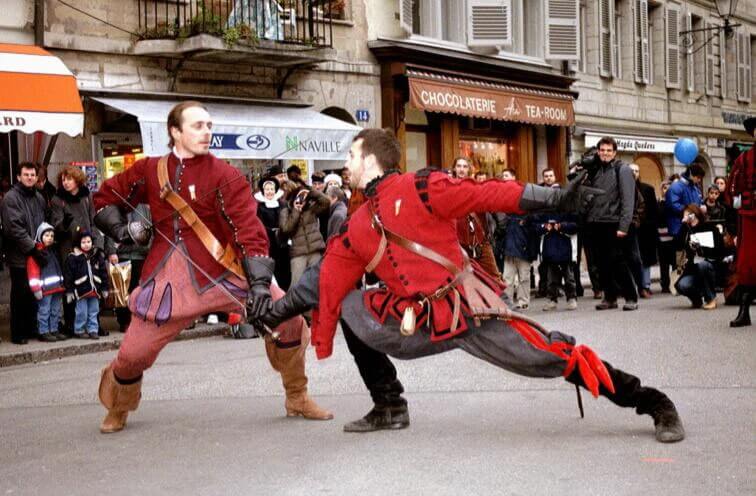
(333, 178)
(42, 229)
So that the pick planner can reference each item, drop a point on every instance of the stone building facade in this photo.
(642, 82)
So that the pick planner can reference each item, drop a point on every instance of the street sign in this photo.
(362, 115)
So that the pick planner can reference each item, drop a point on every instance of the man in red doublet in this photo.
(210, 254)
(435, 298)
(741, 194)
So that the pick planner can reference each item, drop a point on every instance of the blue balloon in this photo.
(686, 151)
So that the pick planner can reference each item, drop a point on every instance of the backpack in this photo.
(639, 209)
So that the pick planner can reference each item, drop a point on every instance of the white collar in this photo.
(269, 203)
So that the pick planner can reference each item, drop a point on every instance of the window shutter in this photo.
(689, 54)
(748, 72)
(405, 15)
(641, 54)
(606, 16)
(740, 46)
(489, 22)
(710, 60)
(723, 63)
(616, 53)
(672, 29)
(562, 29)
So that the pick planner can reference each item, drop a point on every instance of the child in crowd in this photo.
(86, 281)
(46, 282)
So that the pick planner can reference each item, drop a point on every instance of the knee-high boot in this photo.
(119, 399)
(744, 312)
(290, 362)
(628, 392)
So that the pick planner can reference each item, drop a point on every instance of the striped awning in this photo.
(37, 93)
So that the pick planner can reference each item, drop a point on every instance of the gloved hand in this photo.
(70, 297)
(259, 272)
(571, 199)
(112, 222)
(38, 295)
(38, 257)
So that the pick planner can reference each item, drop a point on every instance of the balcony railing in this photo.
(244, 22)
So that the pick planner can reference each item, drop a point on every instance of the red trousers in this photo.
(169, 303)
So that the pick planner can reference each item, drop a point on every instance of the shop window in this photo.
(486, 154)
(416, 151)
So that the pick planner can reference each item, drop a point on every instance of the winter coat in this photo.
(557, 245)
(648, 234)
(618, 201)
(47, 279)
(70, 214)
(269, 212)
(86, 275)
(338, 215)
(680, 194)
(23, 210)
(520, 239)
(302, 226)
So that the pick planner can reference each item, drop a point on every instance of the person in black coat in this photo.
(648, 234)
(269, 204)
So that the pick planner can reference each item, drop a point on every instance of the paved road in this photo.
(211, 422)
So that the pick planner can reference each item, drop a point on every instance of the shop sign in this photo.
(312, 145)
(634, 143)
(492, 104)
(734, 118)
(239, 142)
(90, 171)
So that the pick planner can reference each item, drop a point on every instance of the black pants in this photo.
(666, 262)
(557, 272)
(543, 278)
(376, 370)
(613, 256)
(23, 306)
(589, 244)
(123, 315)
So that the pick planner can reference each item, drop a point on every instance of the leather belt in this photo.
(224, 256)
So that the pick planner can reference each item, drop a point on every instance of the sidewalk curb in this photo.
(74, 347)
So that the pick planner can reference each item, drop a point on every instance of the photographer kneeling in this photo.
(704, 251)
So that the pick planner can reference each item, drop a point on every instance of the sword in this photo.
(215, 282)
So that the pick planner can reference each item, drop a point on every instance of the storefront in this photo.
(498, 114)
(250, 136)
(39, 100)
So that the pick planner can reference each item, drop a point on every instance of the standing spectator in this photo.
(22, 210)
(715, 211)
(648, 234)
(548, 180)
(333, 180)
(131, 252)
(481, 176)
(346, 180)
(473, 229)
(86, 282)
(294, 174)
(721, 183)
(608, 223)
(270, 203)
(43, 183)
(520, 249)
(71, 212)
(681, 193)
(741, 192)
(299, 220)
(318, 184)
(666, 243)
(556, 252)
(698, 279)
(337, 212)
(46, 282)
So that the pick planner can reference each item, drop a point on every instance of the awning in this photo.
(478, 98)
(248, 131)
(38, 93)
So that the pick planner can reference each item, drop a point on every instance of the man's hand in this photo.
(482, 299)
(621, 234)
(38, 295)
(259, 272)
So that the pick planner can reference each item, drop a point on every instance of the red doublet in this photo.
(422, 209)
(742, 181)
(215, 190)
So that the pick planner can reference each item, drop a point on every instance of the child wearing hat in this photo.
(86, 281)
(46, 282)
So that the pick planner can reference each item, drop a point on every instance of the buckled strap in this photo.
(224, 256)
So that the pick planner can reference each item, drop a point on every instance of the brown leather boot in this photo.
(290, 362)
(119, 399)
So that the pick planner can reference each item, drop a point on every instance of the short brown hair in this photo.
(695, 210)
(27, 165)
(607, 140)
(383, 144)
(74, 172)
(176, 117)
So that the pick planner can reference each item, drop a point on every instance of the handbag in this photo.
(120, 277)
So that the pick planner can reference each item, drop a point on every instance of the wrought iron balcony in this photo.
(245, 23)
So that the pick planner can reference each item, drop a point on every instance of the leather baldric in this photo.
(224, 256)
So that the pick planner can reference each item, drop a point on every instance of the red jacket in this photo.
(420, 208)
(221, 198)
(742, 181)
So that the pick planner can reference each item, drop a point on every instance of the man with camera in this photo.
(608, 222)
